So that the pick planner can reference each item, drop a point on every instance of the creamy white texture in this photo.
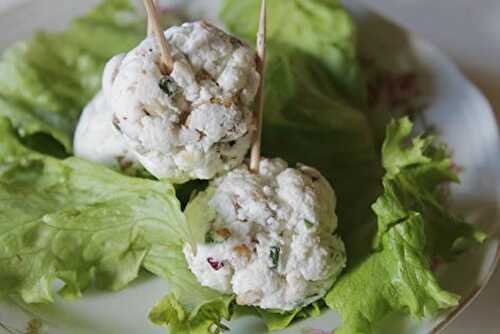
(270, 238)
(195, 122)
(95, 136)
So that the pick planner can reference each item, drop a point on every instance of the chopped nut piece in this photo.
(242, 250)
(203, 75)
(227, 103)
(223, 232)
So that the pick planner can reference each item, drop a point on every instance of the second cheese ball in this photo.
(269, 238)
(195, 122)
(95, 137)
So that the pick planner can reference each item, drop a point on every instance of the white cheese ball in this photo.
(96, 138)
(195, 122)
(270, 237)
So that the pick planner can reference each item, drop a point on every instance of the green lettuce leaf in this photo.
(322, 29)
(415, 173)
(198, 216)
(396, 278)
(280, 320)
(397, 156)
(189, 308)
(413, 229)
(45, 82)
(77, 222)
(81, 223)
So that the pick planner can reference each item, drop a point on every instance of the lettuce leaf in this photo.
(280, 320)
(46, 82)
(82, 223)
(189, 308)
(415, 174)
(322, 29)
(396, 278)
(413, 229)
(75, 221)
(199, 215)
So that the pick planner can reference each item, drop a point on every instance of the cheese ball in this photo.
(196, 121)
(96, 138)
(268, 238)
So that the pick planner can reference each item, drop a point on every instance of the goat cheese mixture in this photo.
(269, 238)
(195, 122)
(95, 137)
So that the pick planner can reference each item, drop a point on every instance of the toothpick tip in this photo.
(155, 27)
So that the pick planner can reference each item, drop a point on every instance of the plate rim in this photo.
(468, 300)
(420, 42)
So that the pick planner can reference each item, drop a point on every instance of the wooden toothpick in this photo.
(154, 25)
(150, 25)
(259, 100)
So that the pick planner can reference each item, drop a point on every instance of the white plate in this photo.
(456, 108)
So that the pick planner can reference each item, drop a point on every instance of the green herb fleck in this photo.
(308, 223)
(116, 124)
(168, 85)
(275, 256)
(209, 237)
(218, 236)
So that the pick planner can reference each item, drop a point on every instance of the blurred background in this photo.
(468, 31)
